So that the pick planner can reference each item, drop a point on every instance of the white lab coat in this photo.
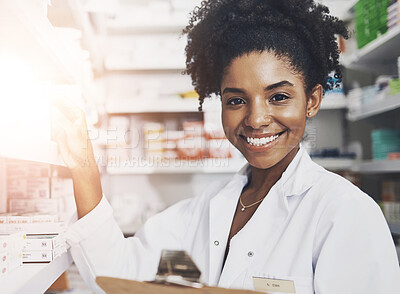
(314, 228)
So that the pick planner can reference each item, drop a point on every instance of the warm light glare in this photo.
(24, 107)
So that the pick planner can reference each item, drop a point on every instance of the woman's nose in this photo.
(258, 116)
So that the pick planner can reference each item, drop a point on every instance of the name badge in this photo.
(273, 285)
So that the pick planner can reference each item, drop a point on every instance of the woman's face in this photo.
(264, 107)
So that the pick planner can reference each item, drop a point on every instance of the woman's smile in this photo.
(261, 142)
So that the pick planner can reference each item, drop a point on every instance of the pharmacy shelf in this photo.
(127, 106)
(34, 31)
(384, 48)
(31, 149)
(35, 278)
(210, 166)
(335, 164)
(334, 101)
(378, 166)
(377, 107)
(394, 228)
(206, 166)
(117, 64)
(114, 27)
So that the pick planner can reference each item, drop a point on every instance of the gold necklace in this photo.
(247, 206)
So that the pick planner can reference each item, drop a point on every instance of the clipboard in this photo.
(177, 274)
(122, 286)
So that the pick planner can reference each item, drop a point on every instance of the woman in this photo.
(282, 217)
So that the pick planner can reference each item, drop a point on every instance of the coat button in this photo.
(250, 253)
(216, 243)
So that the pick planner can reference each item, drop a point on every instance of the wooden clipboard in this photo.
(122, 286)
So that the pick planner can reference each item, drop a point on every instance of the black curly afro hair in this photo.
(300, 31)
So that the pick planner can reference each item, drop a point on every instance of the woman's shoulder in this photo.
(336, 192)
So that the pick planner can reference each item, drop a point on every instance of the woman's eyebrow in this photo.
(270, 87)
(279, 84)
(233, 90)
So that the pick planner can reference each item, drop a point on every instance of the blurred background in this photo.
(122, 61)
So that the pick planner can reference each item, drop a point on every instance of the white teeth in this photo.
(260, 141)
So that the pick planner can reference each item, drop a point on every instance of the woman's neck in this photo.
(261, 180)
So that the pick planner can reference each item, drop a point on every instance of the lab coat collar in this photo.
(296, 179)
(299, 175)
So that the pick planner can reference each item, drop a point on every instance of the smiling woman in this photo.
(282, 224)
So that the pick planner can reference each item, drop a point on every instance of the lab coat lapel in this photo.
(222, 209)
(257, 238)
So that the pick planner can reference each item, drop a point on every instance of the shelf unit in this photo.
(377, 107)
(35, 278)
(334, 101)
(114, 64)
(385, 47)
(166, 26)
(162, 105)
(378, 166)
(335, 164)
(213, 166)
(206, 166)
(379, 57)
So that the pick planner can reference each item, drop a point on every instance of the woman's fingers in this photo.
(68, 108)
(62, 121)
(69, 130)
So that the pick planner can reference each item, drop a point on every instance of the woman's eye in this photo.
(235, 101)
(279, 97)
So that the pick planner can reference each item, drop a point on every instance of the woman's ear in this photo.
(314, 101)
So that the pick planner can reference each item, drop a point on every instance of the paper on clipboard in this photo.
(121, 286)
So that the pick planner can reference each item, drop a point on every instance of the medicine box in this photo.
(43, 242)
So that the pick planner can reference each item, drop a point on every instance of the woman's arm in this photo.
(70, 131)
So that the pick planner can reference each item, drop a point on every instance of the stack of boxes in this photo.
(118, 139)
(172, 137)
(385, 143)
(33, 220)
(162, 142)
(358, 98)
(371, 17)
(43, 248)
(28, 188)
(391, 200)
(154, 138)
(11, 246)
(218, 145)
(191, 146)
(394, 15)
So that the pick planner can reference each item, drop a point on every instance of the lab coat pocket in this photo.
(278, 284)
